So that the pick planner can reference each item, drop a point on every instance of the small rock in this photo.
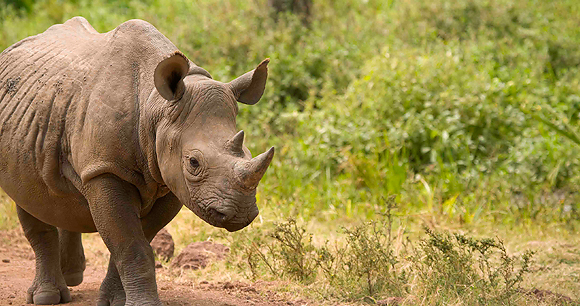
(11, 296)
(163, 244)
(250, 289)
(391, 301)
(547, 295)
(158, 265)
(228, 285)
(6, 260)
(198, 255)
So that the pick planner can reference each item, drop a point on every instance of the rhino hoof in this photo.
(46, 298)
(117, 299)
(49, 297)
(73, 279)
(106, 302)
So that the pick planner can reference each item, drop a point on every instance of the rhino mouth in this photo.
(236, 226)
(229, 218)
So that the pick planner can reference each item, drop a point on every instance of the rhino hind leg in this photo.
(72, 257)
(49, 286)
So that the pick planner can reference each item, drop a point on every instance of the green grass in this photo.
(467, 111)
(8, 218)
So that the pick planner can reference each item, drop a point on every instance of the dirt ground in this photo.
(17, 273)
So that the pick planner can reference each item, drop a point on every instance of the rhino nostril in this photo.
(219, 216)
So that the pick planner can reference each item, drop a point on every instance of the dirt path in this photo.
(17, 273)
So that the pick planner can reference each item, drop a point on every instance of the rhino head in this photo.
(201, 156)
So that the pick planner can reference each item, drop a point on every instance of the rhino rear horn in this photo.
(169, 76)
(236, 144)
(249, 87)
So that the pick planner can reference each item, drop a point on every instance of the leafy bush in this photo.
(479, 271)
(287, 252)
(295, 253)
(21, 4)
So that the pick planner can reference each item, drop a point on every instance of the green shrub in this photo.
(477, 271)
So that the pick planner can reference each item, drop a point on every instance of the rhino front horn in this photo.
(250, 172)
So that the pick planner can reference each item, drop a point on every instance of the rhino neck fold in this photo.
(149, 117)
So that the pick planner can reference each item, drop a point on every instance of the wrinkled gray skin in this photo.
(113, 133)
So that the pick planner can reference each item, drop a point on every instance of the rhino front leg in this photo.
(111, 291)
(72, 257)
(49, 286)
(114, 206)
(163, 211)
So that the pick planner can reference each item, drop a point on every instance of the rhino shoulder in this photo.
(141, 35)
(136, 25)
(135, 29)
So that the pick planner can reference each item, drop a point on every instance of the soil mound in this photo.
(163, 244)
(198, 255)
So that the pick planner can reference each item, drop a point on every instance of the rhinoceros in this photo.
(113, 133)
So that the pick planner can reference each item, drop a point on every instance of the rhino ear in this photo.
(248, 88)
(169, 76)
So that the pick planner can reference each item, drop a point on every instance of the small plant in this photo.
(477, 270)
(295, 251)
(285, 251)
(366, 265)
(370, 261)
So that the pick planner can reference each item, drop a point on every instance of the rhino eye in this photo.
(194, 163)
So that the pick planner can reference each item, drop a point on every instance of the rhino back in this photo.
(70, 100)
